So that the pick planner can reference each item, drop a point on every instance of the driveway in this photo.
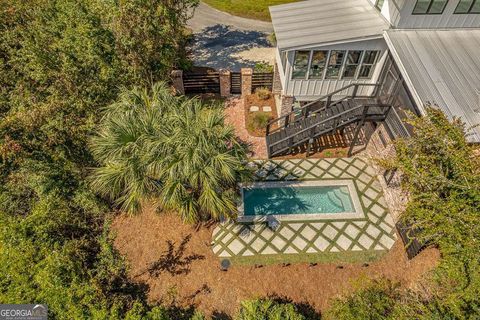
(222, 40)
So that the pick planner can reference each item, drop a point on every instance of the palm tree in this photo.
(178, 151)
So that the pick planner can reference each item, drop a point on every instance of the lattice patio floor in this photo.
(373, 232)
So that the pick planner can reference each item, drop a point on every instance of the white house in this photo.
(403, 53)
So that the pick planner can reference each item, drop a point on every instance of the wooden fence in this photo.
(211, 82)
(410, 241)
(201, 82)
(262, 80)
(235, 83)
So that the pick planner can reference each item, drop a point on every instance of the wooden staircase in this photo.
(325, 116)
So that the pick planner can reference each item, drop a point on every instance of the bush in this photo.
(373, 300)
(268, 309)
(263, 67)
(260, 120)
(263, 93)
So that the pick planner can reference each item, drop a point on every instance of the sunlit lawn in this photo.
(255, 9)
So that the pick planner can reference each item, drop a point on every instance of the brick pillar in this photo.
(287, 105)
(247, 74)
(225, 83)
(177, 81)
(277, 83)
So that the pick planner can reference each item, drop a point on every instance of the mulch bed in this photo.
(253, 100)
(177, 264)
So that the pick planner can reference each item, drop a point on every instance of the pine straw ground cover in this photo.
(253, 9)
(177, 263)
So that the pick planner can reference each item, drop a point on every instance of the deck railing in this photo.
(325, 101)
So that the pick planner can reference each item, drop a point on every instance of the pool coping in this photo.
(357, 214)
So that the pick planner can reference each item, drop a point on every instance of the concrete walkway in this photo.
(225, 41)
(206, 16)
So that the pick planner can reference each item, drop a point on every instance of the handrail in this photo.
(329, 119)
(331, 94)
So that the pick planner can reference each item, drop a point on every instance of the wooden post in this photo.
(309, 146)
(357, 130)
(355, 90)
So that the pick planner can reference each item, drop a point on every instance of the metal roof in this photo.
(315, 22)
(442, 67)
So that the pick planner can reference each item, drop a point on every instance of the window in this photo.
(319, 59)
(335, 64)
(368, 64)
(379, 4)
(468, 6)
(351, 65)
(300, 65)
(430, 6)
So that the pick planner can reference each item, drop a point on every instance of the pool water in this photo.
(297, 200)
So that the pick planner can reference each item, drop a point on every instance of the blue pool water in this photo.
(297, 200)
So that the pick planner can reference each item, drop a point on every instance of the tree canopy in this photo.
(441, 173)
(173, 150)
(61, 63)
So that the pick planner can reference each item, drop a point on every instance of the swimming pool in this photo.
(323, 199)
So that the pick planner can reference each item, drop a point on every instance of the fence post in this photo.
(247, 74)
(225, 83)
(177, 81)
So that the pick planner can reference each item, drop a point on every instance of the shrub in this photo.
(260, 120)
(263, 67)
(263, 93)
(268, 309)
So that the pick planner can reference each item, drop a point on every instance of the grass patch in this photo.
(330, 257)
(253, 9)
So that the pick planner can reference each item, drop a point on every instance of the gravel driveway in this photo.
(225, 41)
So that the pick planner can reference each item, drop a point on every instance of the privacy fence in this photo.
(223, 82)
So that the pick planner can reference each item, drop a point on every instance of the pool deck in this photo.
(372, 232)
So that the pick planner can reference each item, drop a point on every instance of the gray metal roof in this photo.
(442, 67)
(314, 22)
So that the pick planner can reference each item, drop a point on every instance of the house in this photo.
(354, 63)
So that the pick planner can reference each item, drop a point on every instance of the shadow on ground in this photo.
(217, 46)
(173, 261)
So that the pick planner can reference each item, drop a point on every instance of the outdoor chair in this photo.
(272, 223)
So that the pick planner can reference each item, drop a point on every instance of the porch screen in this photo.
(300, 64)
(351, 66)
(368, 64)
(335, 64)
(319, 59)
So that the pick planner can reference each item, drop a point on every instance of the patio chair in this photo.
(272, 223)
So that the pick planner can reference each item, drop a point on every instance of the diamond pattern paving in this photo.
(374, 232)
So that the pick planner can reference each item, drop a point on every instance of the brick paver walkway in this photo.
(235, 116)
(373, 232)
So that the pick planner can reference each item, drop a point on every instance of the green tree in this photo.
(153, 145)
(268, 309)
(150, 36)
(441, 173)
(59, 66)
(371, 300)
